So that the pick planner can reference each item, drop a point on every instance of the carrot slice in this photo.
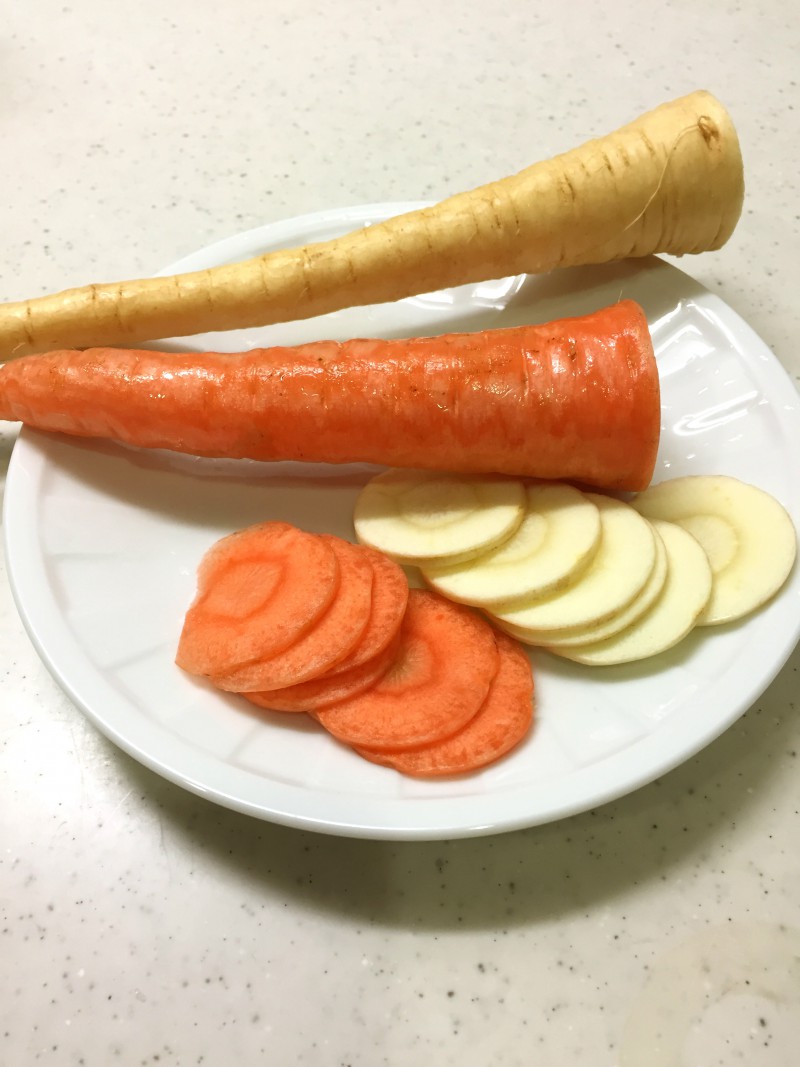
(445, 664)
(367, 661)
(329, 688)
(332, 637)
(258, 591)
(501, 723)
(389, 602)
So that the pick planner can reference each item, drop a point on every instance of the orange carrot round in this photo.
(331, 688)
(500, 724)
(576, 400)
(258, 591)
(330, 639)
(444, 666)
(389, 601)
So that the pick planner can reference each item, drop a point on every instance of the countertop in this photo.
(142, 924)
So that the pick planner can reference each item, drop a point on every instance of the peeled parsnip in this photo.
(671, 181)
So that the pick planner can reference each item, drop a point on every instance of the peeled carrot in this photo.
(389, 601)
(258, 591)
(330, 688)
(329, 640)
(368, 660)
(500, 724)
(670, 181)
(576, 399)
(445, 664)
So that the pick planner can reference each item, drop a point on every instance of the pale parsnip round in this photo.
(672, 616)
(415, 516)
(624, 618)
(557, 537)
(618, 572)
(747, 535)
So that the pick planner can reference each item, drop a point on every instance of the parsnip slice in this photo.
(675, 612)
(624, 618)
(747, 535)
(618, 572)
(557, 537)
(420, 515)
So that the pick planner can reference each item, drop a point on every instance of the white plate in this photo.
(103, 541)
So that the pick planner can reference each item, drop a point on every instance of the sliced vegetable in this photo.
(329, 641)
(445, 664)
(747, 535)
(258, 591)
(371, 657)
(671, 617)
(576, 400)
(388, 606)
(331, 688)
(500, 724)
(558, 535)
(670, 181)
(616, 574)
(620, 621)
(420, 515)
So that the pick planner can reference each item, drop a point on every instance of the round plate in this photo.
(103, 542)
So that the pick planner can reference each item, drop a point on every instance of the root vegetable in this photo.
(258, 591)
(747, 535)
(670, 181)
(624, 618)
(671, 617)
(576, 399)
(444, 667)
(331, 638)
(616, 574)
(416, 515)
(501, 722)
(330, 688)
(368, 661)
(556, 539)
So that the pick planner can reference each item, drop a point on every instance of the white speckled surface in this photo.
(142, 925)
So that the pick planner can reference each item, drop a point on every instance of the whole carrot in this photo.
(576, 399)
(670, 181)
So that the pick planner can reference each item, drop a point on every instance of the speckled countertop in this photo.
(144, 925)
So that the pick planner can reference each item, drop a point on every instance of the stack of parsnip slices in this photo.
(587, 576)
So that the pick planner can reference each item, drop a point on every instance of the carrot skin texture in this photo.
(577, 399)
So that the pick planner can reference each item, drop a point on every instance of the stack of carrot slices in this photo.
(302, 622)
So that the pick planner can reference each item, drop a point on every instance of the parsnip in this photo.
(671, 181)
(617, 573)
(419, 515)
(747, 535)
(624, 618)
(669, 619)
(557, 537)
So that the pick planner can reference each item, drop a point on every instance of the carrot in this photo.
(331, 638)
(258, 591)
(670, 181)
(576, 399)
(501, 723)
(389, 601)
(331, 688)
(444, 667)
(371, 657)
